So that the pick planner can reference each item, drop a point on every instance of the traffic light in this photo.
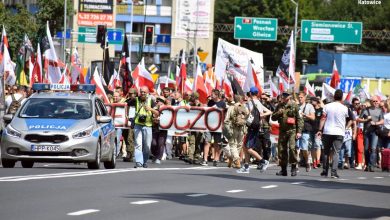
(149, 34)
(101, 34)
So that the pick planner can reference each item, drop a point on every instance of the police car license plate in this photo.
(45, 148)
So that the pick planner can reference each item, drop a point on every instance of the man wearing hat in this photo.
(128, 134)
(291, 125)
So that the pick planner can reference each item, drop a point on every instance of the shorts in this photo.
(305, 141)
(252, 140)
(317, 143)
(347, 147)
(213, 137)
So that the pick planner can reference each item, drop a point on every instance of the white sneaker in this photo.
(243, 170)
(157, 161)
(264, 166)
(359, 167)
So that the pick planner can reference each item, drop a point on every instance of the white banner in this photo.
(234, 59)
(186, 118)
(193, 16)
(121, 113)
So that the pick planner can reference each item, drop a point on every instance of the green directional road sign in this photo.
(255, 28)
(88, 35)
(335, 32)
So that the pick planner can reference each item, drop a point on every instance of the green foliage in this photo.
(374, 17)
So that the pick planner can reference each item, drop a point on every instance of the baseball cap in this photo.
(285, 94)
(253, 90)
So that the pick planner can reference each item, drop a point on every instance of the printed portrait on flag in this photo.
(234, 60)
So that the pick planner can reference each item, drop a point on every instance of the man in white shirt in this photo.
(19, 95)
(332, 129)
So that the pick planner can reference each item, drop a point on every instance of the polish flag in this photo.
(335, 80)
(188, 86)
(64, 77)
(115, 81)
(209, 83)
(144, 78)
(96, 80)
(51, 61)
(183, 72)
(274, 88)
(227, 87)
(3, 43)
(309, 90)
(349, 97)
(199, 85)
(251, 79)
(8, 67)
(76, 66)
(36, 74)
(165, 81)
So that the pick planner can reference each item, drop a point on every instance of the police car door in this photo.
(107, 130)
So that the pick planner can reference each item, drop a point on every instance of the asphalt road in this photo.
(174, 190)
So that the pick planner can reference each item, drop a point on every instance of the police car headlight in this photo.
(12, 132)
(84, 133)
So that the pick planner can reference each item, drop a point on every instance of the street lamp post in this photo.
(295, 27)
(64, 34)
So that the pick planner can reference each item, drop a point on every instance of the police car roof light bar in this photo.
(40, 86)
(90, 88)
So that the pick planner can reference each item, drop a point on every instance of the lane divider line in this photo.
(197, 195)
(269, 186)
(143, 202)
(297, 183)
(235, 191)
(83, 212)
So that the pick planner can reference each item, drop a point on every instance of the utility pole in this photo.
(64, 34)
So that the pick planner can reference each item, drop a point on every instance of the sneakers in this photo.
(346, 166)
(371, 169)
(157, 161)
(237, 164)
(243, 170)
(282, 173)
(137, 165)
(293, 170)
(334, 175)
(203, 163)
(308, 168)
(359, 167)
(315, 164)
(215, 163)
(229, 162)
(324, 173)
(145, 165)
(264, 166)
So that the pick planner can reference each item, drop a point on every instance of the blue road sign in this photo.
(59, 34)
(114, 36)
(164, 38)
(346, 84)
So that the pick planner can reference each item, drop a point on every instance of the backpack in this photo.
(253, 122)
(15, 104)
(239, 116)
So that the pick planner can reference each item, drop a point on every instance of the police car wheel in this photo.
(96, 164)
(27, 164)
(8, 163)
(112, 162)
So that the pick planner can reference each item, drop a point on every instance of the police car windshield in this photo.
(56, 108)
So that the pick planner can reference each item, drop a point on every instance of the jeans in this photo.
(370, 145)
(346, 150)
(118, 141)
(143, 142)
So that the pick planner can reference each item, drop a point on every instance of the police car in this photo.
(60, 123)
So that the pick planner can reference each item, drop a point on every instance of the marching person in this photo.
(332, 130)
(291, 125)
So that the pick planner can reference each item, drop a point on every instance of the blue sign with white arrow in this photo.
(346, 84)
(115, 36)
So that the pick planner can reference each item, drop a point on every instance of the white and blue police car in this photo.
(60, 123)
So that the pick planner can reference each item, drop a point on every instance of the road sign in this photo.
(255, 28)
(88, 35)
(336, 32)
(163, 38)
(115, 36)
(346, 84)
(60, 33)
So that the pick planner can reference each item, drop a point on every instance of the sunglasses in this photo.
(375, 101)
(357, 103)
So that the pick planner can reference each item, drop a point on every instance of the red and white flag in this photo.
(64, 77)
(183, 72)
(144, 78)
(53, 69)
(227, 87)
(3, 43)
(327, 92)
(251, 79)
(309, 90)
(199, 85)
(76, 66)
(335, 80)
(165, 81)
(209, 83)
(188, 86)
(274, 88)
(115, 81)
(96, 80)
(36, 75)
(8, 67)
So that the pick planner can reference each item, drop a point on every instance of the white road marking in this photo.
(343, 179)
(95, 172)
(269, 186)
(235, 191)
(362, 178)
(323, 180)
(297, 183)
(143, 202)
(378, 177)
(197, 195)
(83, 212)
